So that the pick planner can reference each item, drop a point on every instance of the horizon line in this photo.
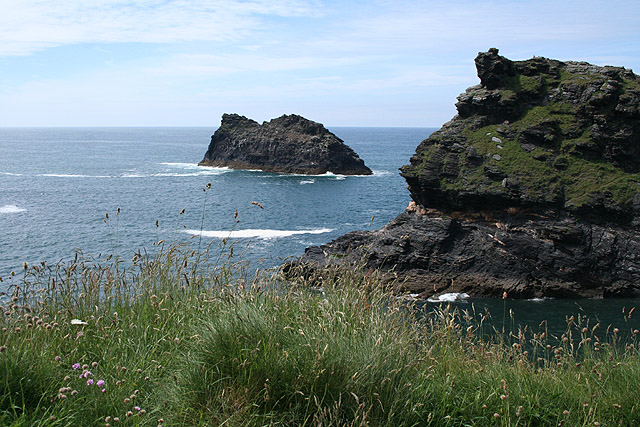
(193, 126)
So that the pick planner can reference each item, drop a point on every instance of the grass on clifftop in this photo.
(177, 339)
(548, 174)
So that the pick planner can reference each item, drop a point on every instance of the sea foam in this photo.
(182, 165)
(256, 233)
(200, 171)
(9, 209)
(449, 297)
(191, 169)
(73, 175)
(329, 175)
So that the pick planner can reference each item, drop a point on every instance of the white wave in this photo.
(182, 165)
(255, 233)
(320, 175)
(449, 297)
(10, 174)
(72, 175)
(308, 181)
(539, 299)
(201, 171)
(333, 175)
(8, 209)
(380, 173)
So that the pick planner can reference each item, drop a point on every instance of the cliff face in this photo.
(537, 134)
(533, 189)
(289, 144)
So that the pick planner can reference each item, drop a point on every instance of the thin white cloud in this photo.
(361, 62)
(455, 25)
(210, 65)
(27, 26)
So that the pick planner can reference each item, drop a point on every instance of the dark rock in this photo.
(527, 256)
(555, 214)
(543, 133)
(493, 172)
(493, 69)
(289, 144)
(561, 163)
(559, 124)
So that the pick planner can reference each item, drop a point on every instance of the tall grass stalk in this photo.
(178, 338)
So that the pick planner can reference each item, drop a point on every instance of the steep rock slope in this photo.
(289, 144)
(532, 189)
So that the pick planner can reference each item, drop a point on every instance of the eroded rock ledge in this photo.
(526, 256)
(532, 189)
(289, 144)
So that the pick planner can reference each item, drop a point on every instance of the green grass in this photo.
(563, 163)
(523, 84)
(191, 339)
(539, 179)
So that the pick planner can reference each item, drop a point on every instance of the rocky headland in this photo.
(288, 144)
(531, 189)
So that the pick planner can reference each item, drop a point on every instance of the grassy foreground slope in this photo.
(178, 339)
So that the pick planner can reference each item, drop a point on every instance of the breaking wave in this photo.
(449, 297)
(72, 175)
(256, 233)
(9, 209)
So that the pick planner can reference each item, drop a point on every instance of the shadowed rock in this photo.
(532, 189)
(289, 144)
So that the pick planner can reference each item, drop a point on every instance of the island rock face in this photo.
(531, 189)
(289, 144)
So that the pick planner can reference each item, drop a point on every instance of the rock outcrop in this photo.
(533, 189)
(289, 144)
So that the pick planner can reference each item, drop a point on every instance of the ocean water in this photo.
(57, 186)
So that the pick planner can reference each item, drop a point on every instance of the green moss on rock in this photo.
(542, 132)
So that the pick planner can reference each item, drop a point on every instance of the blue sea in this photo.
(58, 185)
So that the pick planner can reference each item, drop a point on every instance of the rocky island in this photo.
(289, 144)
(531, 189)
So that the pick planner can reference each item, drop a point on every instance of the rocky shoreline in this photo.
(532, 189)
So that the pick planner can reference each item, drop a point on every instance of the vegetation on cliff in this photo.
(179, 339)
(532, 189)
(538, 132)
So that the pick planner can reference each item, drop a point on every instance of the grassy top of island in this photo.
(182, 337)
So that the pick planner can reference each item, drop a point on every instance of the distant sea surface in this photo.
(57, 186)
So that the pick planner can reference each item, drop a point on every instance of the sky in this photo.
(341, 63)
